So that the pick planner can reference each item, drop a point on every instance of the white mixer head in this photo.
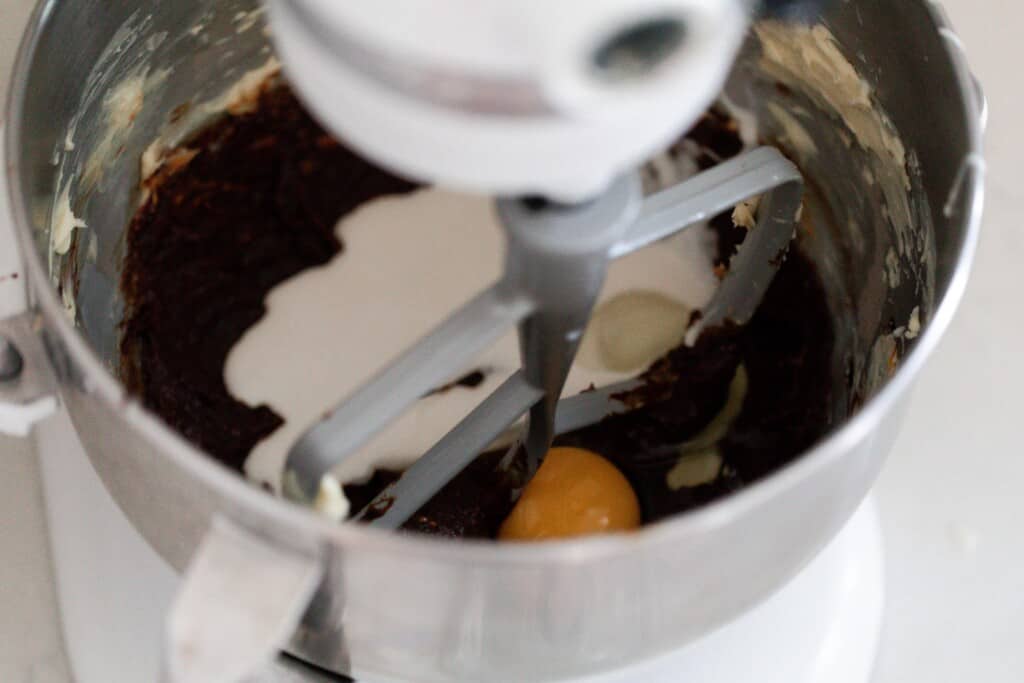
(509, 98)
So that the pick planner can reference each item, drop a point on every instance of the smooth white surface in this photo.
(31, 646)
(102, 569)
(951, 497)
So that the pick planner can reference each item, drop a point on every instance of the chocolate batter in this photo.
(255, 200)
(256, 204)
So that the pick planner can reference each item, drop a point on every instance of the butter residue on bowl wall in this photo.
(808, 60)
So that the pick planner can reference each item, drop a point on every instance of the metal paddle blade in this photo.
(555, 267)
(761, 172)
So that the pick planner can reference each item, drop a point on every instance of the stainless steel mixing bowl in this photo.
(413, 608)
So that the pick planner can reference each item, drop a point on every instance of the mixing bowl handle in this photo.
(240, 600)
(27, 386)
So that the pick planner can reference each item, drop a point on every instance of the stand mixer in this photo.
(550, 109)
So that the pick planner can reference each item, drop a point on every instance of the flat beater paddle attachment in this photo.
(556, 262)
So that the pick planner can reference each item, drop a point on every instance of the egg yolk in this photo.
(574, 493)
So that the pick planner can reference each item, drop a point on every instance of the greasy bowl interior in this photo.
(181, 56)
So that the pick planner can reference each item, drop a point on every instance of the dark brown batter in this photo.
(256, 200)
(257, 204)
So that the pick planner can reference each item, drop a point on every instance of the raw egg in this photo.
(574, 493)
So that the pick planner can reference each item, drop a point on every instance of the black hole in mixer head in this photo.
(637, 50)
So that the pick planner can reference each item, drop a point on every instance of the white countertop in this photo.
(31, 648)
(950, 496)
